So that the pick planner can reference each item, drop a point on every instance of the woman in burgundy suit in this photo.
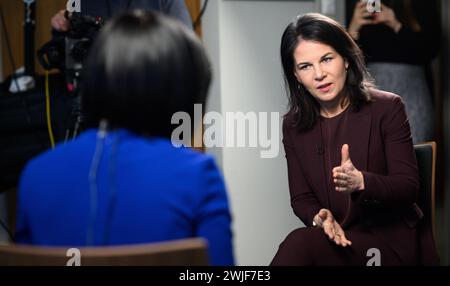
(353, 174)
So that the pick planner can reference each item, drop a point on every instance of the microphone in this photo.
(319, 149)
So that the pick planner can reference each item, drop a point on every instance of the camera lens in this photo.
(80, 50)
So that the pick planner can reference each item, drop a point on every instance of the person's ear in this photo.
(346, 64)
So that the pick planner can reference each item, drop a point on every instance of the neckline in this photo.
(337, 115)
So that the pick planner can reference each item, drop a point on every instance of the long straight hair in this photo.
(303, 107)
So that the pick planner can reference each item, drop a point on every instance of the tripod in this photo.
(73, 78)
(29, 26)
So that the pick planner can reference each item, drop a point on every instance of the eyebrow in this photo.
(321, 58)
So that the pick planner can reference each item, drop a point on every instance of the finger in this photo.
(341, 189)
(338, 170)
(337, 239)
(65, 26)
(341, 233)
(340, 176)
(345, 155)
(329, 219)
(328, 229)
(366, 14)
(368, 22)
(328, 232)
(323, 214)
(361, 5)
(340, 183)
(344, 240)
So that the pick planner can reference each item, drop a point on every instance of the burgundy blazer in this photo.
(381, 148)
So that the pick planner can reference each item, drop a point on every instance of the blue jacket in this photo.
(144, 190)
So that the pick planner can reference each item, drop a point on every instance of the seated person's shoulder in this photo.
(384, 101)
(197, 158)
(187, 158)
(63, 156)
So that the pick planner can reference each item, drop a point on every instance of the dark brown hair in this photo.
(303, 107)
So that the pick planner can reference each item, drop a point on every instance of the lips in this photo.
(324, 87)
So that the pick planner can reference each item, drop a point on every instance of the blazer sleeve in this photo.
(303, 201)
(213, 214)
(400, 185)
(23, 231)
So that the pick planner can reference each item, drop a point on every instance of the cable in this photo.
(47, 111)
(200, 16)
(8, 231)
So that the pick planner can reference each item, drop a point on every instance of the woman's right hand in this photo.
(361, 17)
(324, 219)
(59, 22)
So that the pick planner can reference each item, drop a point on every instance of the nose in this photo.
(318, 73)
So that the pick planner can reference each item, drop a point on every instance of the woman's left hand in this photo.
(387, 17)
(346, 177)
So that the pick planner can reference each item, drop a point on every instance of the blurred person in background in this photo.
(399, 43)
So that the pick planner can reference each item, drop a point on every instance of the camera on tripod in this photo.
(67, 51)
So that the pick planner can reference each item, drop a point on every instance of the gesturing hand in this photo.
(361, 17)
(388, 18)
(346, 177)
(59, 22)
(331, 227)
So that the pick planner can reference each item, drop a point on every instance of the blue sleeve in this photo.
(177, 9)
(214, 219)
(23, 231)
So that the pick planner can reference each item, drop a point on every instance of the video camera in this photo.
(67, 51)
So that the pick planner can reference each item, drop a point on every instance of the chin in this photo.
(327, 97)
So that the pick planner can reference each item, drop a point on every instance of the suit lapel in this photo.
(357, 134)
(310, 151)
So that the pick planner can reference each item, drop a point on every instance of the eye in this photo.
(304, 67)
(327, 59)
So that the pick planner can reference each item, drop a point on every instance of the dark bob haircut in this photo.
(303, 107)
(143, 68)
